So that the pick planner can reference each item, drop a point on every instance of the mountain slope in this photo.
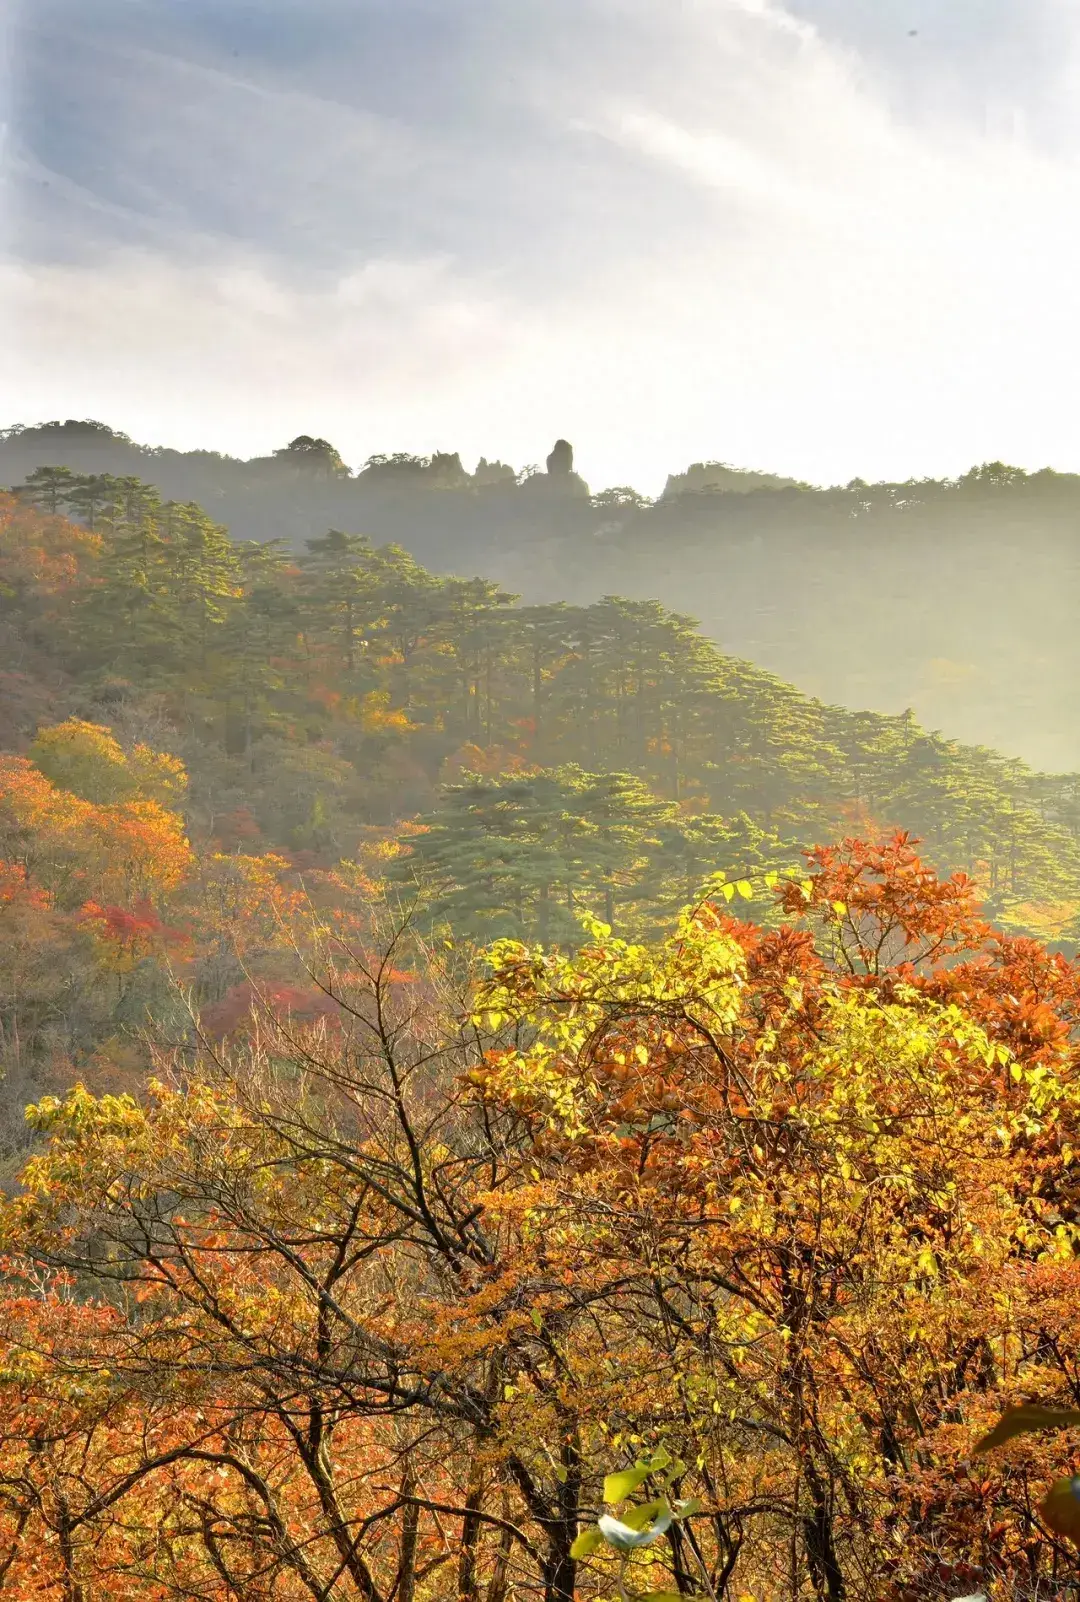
(342, 690)
(956, 599)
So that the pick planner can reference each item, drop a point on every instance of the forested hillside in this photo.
(494, 1065)
(955, 598)
(184, 713)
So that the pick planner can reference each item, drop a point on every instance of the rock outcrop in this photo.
(560, 472)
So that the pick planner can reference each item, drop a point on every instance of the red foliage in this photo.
(240, 1005)
(889, 908)
(125, 927)
(237, 830)
(1023, 995)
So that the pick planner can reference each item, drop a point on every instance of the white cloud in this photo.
(230, 355)
(717, 235)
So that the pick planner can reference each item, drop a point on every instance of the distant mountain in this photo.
(957, 598)
(709, 477)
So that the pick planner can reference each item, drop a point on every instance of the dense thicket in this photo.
(757, 1230)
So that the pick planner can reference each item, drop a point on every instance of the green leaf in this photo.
(618, 1486)
(1024, 1421)
(638, 1517)
(745, 889)
(660, 1596)
(687, 1509)
(728, 891)
(655, 1460)
(586, 1544)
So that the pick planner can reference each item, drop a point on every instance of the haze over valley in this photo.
(954, 598)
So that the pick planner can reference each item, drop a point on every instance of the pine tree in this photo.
(48, 487)
(258, 637)
(340, 595)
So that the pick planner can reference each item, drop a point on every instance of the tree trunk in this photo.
(470, 1535)
(410, 1530)
(560, 1569)
(825, 1571)
(73, 1590)
(497, 1589)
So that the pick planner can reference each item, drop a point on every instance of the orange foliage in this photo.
(799, 1203)
(83, 851)
(886, 906)
(377, 716)
(496, 759)
(237, 829)
(43, 555)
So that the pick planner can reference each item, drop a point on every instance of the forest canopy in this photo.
(956, 597)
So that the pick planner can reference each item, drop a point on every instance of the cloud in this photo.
(732, 228)
(266, 358)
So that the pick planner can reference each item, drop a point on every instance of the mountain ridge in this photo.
(890, 595)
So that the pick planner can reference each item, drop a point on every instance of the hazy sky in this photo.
(825, 237)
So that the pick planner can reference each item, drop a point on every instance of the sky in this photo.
(826, 238)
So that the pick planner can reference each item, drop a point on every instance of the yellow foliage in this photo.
(80, 850)
(87, 760)
(377, 716)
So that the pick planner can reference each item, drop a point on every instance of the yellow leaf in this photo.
(1061, 1509)
(618, 1486)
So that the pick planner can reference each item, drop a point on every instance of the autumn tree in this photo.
(353, 1389)
(808, 1181)
(416, 1279)
(88, 761)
